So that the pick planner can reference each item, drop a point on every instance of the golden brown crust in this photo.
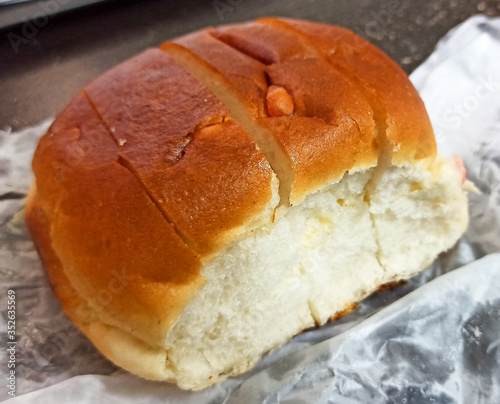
(39, 230)
(176, 137)
(116, 249)
(406, 122)
(265, 43)
(390, 285)
(342, 313)
(338, 116)
(117, 344)
(344, 148)
(244, 72)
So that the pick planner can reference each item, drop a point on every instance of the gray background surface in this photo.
(43, 63)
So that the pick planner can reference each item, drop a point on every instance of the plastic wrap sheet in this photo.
(417, 344)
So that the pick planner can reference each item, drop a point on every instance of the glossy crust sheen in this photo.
(402, 111)
(199, 166)
(120, 254)
(329, 109)
(145, 176)
(113, 243)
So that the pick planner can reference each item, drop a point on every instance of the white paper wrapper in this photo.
(440, 343)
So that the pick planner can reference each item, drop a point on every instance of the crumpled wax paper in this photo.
(416, 344)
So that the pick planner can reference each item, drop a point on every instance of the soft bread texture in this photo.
(187, 231)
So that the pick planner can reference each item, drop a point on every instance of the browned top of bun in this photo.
(332, 128)
(198, 165)
(246, 73)
(402, 112)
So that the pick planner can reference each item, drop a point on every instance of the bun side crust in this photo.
(118, 345)
(39, 229)
(118, 252)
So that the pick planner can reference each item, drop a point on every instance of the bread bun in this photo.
(202, 203)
